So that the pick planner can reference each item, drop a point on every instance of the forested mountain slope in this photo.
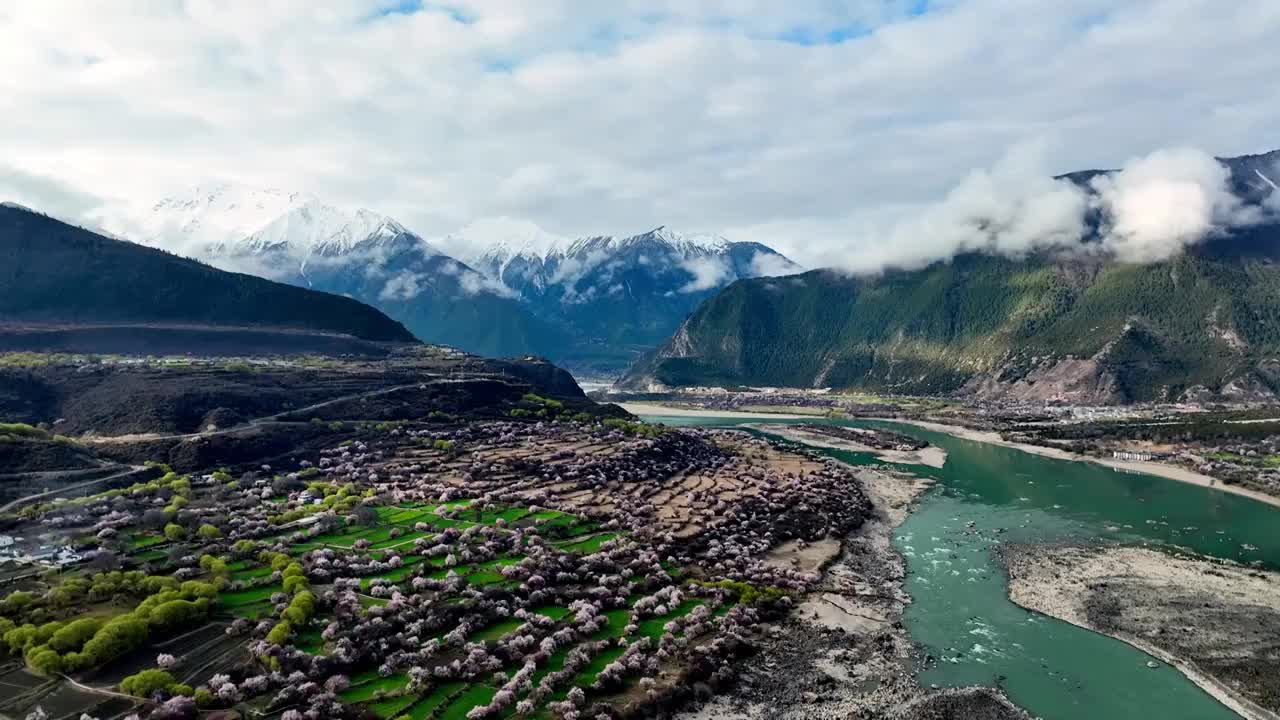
(54, 272)
(1079, 328)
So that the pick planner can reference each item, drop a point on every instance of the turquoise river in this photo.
(960, 611)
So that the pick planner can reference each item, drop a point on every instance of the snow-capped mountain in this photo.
(508, 251)
(532, 262)
(225, 220)
(616, 295)
(296, 238)
(500, 287)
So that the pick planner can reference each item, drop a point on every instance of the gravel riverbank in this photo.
(1216, 622)
(931, 455)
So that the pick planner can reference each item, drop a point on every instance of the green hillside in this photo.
(1154, 331)
(58, 273)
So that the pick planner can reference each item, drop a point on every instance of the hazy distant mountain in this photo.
(56, 273)
(1075, 326)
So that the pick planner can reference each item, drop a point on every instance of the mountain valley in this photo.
(593, 304)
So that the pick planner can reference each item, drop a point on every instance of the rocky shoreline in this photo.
(1216, 622)
(844, 652)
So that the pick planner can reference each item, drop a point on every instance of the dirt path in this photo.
(58, 491)
(265, 420)
(100, 691)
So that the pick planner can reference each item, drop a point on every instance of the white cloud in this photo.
(45, 194)
(1159, 204)
(1013, 208)
(770, 265)
(473, 283)
(589, 117)
(707, 271)
(402, 286)
(573, 269)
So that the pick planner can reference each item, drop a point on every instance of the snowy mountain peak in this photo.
(691, 243)
(497, 241)
(684, 245)
(229, 219)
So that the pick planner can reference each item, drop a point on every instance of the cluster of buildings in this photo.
(14, 549)
(1137, 455)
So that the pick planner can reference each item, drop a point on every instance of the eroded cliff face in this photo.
(1078, 381)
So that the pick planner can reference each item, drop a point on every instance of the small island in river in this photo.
(886, 445)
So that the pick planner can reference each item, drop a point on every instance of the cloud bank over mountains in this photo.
(1150, 209)
(841, 133)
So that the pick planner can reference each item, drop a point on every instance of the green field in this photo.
(428, 704)
(588, 674)
(240, 598)
(473, 696)
(252, 603)
(495, 631)
(589, 545)
(391, 707)
(617, 624)
(141, 542)
(369, 688)
(309, 641)
(553, 612)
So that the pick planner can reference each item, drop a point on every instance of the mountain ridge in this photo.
(62, 273)
(1073, 325)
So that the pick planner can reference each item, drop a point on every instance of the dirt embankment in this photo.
(1217, 622)
(844, 652)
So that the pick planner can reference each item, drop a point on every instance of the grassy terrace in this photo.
(366, 688)
(252, 603)
(437, 697)
(495, 631)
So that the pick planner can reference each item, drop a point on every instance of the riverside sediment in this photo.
(835, 437)
(1216, 622)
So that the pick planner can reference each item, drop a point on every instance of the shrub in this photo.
(75, 634)
(148, 682)
(46, 661)
(279, 634)
(117, 637)
(174, 613)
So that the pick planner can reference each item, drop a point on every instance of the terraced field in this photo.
(505, 570)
